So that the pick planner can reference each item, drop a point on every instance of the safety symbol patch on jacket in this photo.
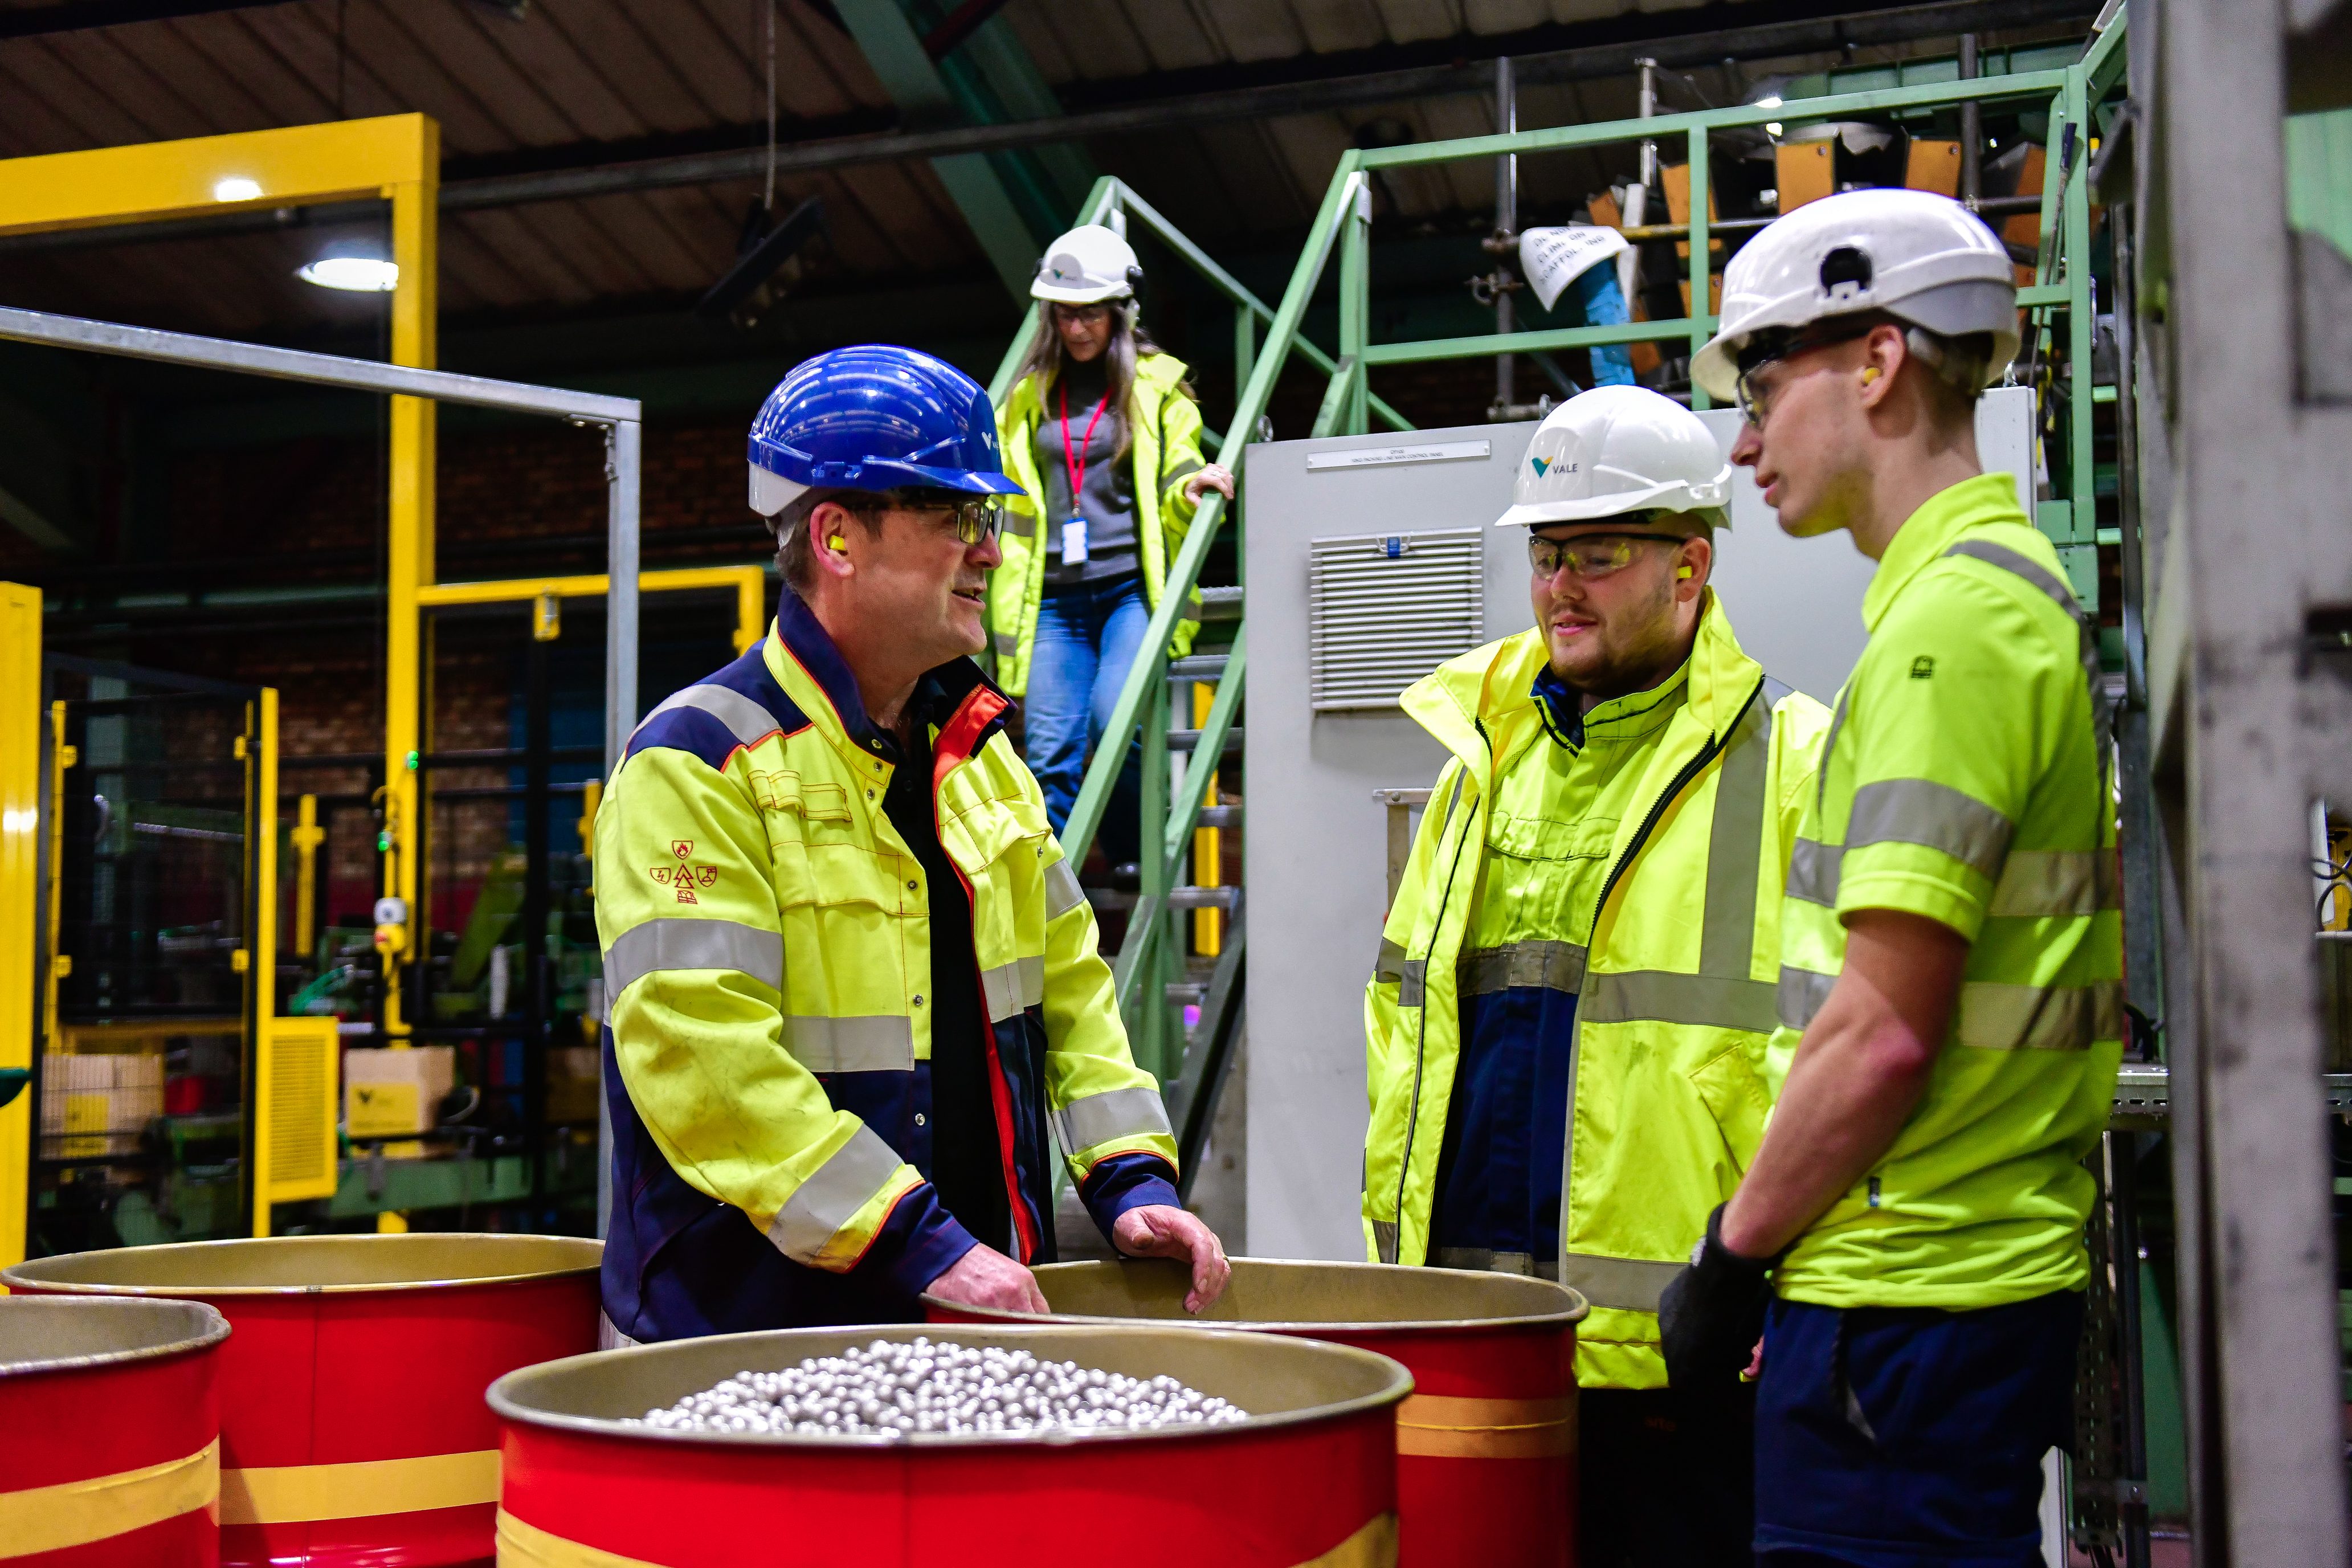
(685, 878)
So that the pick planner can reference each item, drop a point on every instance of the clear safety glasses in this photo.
(1755, 396)
(1589, 556)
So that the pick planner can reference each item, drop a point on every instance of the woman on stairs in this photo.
(1104, 438)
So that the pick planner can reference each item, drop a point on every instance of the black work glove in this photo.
(1712, 1313)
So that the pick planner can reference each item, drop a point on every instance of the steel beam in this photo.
(977, 186)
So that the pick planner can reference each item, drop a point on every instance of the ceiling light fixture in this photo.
(1769, 101)
(358, 267)
(236, 188)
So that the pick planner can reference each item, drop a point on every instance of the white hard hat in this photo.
(1087, 266)
(1913, 254)
(1616, 449)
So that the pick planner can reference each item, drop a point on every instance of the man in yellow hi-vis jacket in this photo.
(1950, 1004)
(1575, 982)
(852, 980)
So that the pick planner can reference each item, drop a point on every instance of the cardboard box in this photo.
(393, 1092)
(99, 1104)
(573, 1081)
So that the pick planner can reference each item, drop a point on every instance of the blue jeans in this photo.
(1087, 638)
(1892, 1438)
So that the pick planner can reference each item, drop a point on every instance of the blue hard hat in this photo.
(873, 417)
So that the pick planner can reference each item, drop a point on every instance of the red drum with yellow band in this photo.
(110, 1433)
(351, 1429)
(1307, 1481)
(1485, 1448)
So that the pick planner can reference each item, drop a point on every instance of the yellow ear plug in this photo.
(1869, 373)
(1682, 571)
(835, 542)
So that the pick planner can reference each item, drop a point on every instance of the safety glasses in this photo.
(1755, 395)
(973, 518)
(1589, 556)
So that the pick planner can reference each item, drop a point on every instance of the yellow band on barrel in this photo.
(290, 1494)
(76, 1513)
(1441, 1427)
(522, 1546)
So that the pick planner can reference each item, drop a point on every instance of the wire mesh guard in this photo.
(1385, 609)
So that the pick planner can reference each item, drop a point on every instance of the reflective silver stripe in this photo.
(1813, 872)
(1623, 1284)
(684, 942)
(1014, 987)
(1735, 846)
(1488, 1260)
(1063, 893)
(1999, 1017)
(1552, 965)
(1921, 811)
(2035, 882)
(1653, 995)
(1183, 471)
(880, 1043)
(745, 718)
(1385, 1239)
(1114, 1113)
(1008, 643)
(851, 1177)
(1020, 524)
(1802, 993)
(1390, 964)
(1413, 986)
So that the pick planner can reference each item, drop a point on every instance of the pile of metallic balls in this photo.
(895, 1390)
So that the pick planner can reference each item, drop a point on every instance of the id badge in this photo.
(1074, 543)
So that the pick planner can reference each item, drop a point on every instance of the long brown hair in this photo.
(1131, 341)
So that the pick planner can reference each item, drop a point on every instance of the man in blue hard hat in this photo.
(851, 979)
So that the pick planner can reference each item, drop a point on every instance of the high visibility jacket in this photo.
(1673, 971)
(1965, 782)
(1165, 447)
(767, 945)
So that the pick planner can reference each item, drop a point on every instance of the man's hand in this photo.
(1159, 1231)
(1711, 1315)
(1215, 476)
(986, 1278)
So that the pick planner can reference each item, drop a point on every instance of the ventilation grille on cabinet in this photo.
(1385, 609)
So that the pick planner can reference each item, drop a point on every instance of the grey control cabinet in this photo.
(1370, 560)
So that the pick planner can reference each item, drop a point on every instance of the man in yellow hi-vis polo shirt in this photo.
(1951, 950)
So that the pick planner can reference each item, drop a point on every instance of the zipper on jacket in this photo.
(1691, 770)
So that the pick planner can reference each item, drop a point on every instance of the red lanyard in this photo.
(1075, 461)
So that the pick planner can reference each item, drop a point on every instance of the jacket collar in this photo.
(1928, 533)
(1481, 705)
(1156, 376)
(805, 661)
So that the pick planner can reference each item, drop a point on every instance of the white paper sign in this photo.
(1554, 258)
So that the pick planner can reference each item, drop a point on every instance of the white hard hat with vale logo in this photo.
(1086, 266)
(1618, 450)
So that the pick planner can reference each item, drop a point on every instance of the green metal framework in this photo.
(2060, 299)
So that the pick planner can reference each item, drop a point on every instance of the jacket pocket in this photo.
(1734, 1094)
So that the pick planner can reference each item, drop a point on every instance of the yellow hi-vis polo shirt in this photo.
(1964, 781)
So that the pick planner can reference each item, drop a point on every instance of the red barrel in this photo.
(1307, 1480)
(351, 1427)
(110, 1433)
(1487, 1446)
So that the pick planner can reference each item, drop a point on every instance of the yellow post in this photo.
(415, 216)
(61, 757)
(1208, 845)
(261, 973)
(750, 606)
(308, 835)
(20, 819)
